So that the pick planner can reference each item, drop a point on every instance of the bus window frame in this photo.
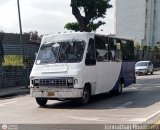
(90, 61)
(108, 46)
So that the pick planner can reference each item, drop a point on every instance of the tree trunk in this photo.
(81, 20)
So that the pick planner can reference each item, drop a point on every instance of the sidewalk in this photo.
(13, 91)
(156, 69)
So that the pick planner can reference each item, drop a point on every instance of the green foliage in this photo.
(145, 47)
(72, 26)
(94, 26)
(86, 12)
(156, 48)
(13, 60)
(76, 27)
(138, 46)
(150, 48)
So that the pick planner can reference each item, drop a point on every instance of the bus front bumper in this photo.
(56, 93)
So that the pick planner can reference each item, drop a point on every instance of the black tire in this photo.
(120, 88)
(146, 73)
(41, 101)
(86, 97)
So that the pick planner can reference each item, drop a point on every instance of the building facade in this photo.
(139, 20)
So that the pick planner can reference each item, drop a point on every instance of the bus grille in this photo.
(56, 82)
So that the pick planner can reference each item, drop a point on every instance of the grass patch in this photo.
(13, 60)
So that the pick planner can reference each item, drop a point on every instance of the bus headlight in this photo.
(70, 80)
(36, 81)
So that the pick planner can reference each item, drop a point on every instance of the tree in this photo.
(86, 12)
(34, 37)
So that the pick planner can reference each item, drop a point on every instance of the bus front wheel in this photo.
(86, 96)
(41, 101)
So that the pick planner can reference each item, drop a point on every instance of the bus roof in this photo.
(89, 33)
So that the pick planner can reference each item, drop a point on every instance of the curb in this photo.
(156, 69)
(15, 93)
(154, 120)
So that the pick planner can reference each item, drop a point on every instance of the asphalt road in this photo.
(138, 104)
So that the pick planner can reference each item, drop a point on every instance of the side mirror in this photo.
(90, 62)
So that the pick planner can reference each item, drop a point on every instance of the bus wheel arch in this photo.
(86, 94)
(120, 87)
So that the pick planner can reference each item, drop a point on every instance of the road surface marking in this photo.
(154, 114)
(7, 103)
(124, 105)
(87, 118)
(138, 119)
(145, 119)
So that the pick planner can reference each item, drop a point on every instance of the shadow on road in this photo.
(146, 74)
(136, 96)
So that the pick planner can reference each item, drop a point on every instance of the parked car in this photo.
(144, 67)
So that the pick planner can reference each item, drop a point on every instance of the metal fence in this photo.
(152, 55)
(12, 75)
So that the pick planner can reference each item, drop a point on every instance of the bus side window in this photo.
(128, 50)
(90, 50)
(115, 50)
(102, 47)
(90, 56)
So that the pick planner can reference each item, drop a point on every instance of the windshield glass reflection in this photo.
(61, 52)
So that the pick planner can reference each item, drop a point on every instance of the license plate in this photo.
(51, 93)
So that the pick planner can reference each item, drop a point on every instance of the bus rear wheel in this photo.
(119, 90)
(41, 101)
(86, 96)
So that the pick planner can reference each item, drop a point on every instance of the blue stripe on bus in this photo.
(127, 74)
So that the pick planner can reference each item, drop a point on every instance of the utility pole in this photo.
(22, 45)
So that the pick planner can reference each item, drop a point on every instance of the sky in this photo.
(45, 16)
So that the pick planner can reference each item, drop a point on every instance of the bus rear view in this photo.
(78, 65)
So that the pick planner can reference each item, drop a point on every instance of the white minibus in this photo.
(78, 65)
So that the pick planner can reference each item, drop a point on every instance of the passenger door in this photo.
(90, 75)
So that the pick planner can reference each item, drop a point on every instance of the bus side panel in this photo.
(108, 74)
(127, 74)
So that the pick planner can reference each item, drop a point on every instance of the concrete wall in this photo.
(138, 19)
(130, 18)
(157, 21)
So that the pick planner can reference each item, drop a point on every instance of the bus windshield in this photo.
(61, 52)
